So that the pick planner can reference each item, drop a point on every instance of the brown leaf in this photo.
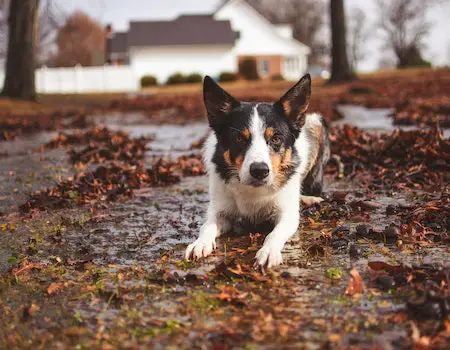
(381, 265)
(55, 288)
(356, 284)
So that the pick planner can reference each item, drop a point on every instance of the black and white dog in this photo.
(257, 158)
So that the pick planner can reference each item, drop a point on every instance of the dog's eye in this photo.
(275, 139)
(240, 139)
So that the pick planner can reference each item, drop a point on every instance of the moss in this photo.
(334, 273)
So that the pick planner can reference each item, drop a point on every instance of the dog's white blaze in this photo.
(258, 150)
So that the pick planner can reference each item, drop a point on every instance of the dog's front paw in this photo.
(310, 200)
(270, 255)
(202, 247)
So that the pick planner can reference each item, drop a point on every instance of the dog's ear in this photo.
(218, 102)
(295, 102)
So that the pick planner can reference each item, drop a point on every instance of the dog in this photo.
(257, 157)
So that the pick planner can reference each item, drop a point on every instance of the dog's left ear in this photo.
(295, 102)
(218, 102)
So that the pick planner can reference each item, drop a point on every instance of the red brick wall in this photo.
(275, 62)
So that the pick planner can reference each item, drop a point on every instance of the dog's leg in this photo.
(289, 205)
(311, 200)
(214, 226)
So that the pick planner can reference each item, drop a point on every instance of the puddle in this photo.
(169, 139)
(376, 119)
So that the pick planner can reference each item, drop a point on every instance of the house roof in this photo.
(292, 42)
(184, 30)
(118, 43)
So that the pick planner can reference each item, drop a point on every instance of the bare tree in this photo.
(340, 69)
(405, 26)
(306, 16)
(4, 7)
(21, 58)
(50, 19)
(358, 35)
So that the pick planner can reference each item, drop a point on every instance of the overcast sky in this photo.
(120, 12)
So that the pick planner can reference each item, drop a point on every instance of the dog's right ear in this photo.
(218, 102)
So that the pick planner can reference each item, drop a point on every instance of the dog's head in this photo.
(255, 141)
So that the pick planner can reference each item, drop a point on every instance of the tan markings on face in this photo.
(287, 159)
(246, 133)
(281, 161)
(269, 133)
(235, 165)
(275, 159)
(226, 156)
(239, 161)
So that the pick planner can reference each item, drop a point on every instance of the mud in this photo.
(113, 275)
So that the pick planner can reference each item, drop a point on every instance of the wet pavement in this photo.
(114, 276)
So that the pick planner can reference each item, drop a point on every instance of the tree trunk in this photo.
(20, 61)
(340, 69)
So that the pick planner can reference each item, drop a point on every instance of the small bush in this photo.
(176, 78)
(149, 80)
(194, 78)
(227, 76)
(277, 77)
(248, 69)
(414, 58)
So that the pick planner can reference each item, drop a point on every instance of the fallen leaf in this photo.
(356, 284)
(55, 288)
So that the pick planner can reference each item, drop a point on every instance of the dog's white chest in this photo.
(253, 204)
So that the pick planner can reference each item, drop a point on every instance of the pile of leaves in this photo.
(424, 111)
(419, 99)
(102, 145)
(410, 159)
(190, 165)
(12, 127)
(434, 214)
(112, 183)
(179, 109)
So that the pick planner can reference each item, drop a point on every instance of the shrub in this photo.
(194, 78)
(227, 76)
(413, 58)
(277, 77)
(148, 80)
(176, 78)
(249, 69)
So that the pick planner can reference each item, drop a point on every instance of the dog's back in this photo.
(316, 130)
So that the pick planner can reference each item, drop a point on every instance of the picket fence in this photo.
(84, 80)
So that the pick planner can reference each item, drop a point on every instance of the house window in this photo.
(263, 67)
(291, 64)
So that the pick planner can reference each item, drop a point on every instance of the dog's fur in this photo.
(257, 158)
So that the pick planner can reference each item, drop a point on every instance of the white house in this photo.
(209, 44)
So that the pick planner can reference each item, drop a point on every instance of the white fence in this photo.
(84, 79)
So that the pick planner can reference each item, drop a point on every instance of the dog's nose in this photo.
(259, 170)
